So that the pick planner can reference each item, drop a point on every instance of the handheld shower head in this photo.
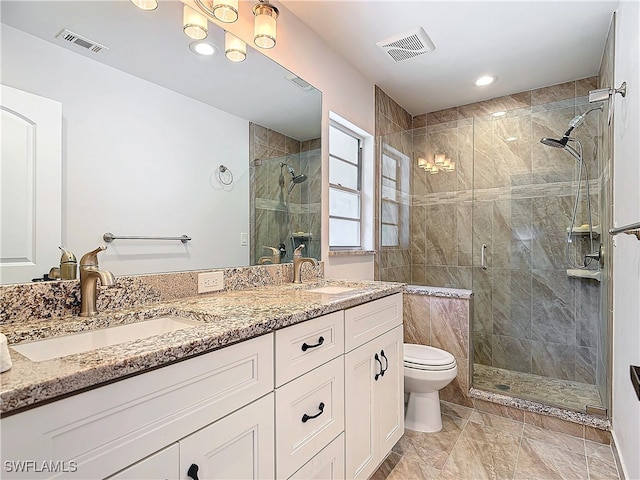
(575, 122)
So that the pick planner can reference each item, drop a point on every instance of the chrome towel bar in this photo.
(631, 229)
(110, 237)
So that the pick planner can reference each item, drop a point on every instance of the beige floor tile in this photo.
(555, 439)
(498, 422)
(431, 449)
(483, 452)
(602, 470)
(599, 451)
(541, 461)
(387, 467)
(455, 410)
(409, 468)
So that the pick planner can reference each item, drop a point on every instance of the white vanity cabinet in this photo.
(107, 429)
(322, 399)
(374, 384)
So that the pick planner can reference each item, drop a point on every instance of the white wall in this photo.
(626, 254)
(345, 91)
(138, 159)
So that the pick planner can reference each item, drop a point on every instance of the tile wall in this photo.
(269, 198)
(515, 195)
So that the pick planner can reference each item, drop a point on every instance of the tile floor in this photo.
(562, 393)
(477, 445)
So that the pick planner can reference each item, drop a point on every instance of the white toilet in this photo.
(426, 371)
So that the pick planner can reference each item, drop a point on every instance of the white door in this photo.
(239, 446)
(31, 185)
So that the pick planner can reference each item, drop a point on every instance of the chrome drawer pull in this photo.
(306, 346)
(306, 417)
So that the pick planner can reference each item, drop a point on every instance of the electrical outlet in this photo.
(210, 282)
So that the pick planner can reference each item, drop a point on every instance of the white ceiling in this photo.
(152, 46)
(526, 44)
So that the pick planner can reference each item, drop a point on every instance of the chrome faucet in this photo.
(298, 261)
(89, 275)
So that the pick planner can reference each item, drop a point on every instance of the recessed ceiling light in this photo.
(510, 139)
(499, 114)
(486, 80)
(203, 48)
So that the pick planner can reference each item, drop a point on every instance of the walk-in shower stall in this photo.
(471, 198)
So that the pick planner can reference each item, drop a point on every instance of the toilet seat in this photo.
(423, 357)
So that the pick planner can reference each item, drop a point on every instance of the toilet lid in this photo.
(424, 357)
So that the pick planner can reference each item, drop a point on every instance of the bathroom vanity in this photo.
(275, 382)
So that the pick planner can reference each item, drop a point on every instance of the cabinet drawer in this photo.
(366, 322)
(111, 427)
(305, 346)
(309, 414)
(161, 465)
(327, 465)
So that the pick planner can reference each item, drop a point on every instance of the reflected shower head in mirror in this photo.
(295, 179)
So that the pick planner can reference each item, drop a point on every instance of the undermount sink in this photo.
(55, 347)
(331, 290)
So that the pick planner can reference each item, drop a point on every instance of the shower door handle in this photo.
(483, 257)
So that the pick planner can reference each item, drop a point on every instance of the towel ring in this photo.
(224, 175)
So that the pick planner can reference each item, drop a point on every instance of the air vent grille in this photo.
(69, 36)
(296, 80)
(407, 45)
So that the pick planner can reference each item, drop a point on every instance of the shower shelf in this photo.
(578, 273)
(584, 230)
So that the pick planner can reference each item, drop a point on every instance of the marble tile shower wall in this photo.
(269, 198)
(515, 195)
(393, 130)
(605, 155)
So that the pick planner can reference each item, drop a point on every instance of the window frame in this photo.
(338, 187)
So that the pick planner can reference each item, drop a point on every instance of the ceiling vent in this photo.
(297, 81)
(407, 45)
(81, 41)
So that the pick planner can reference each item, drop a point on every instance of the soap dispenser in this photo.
(68, 265)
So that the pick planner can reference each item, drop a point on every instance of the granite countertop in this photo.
(226, 317)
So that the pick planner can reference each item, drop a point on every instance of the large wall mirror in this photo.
(147, 124)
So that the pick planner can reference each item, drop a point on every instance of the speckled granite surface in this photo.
(227, 317)
(438, 291)
(535, 407)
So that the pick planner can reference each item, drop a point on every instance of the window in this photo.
(345, 188)
(390, 215)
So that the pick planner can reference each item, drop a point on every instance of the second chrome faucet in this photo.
(298, 261)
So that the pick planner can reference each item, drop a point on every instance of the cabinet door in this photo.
(240, 446)
(390, 390)
(360, 370)
(160, 465)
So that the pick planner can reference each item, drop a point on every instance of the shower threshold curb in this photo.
(536, 407)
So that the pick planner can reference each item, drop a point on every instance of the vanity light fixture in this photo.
(486, 80)
(441, 163)
(225, 10)
(264, 30)
(147, 5)
(234, 49)
(194, 24)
